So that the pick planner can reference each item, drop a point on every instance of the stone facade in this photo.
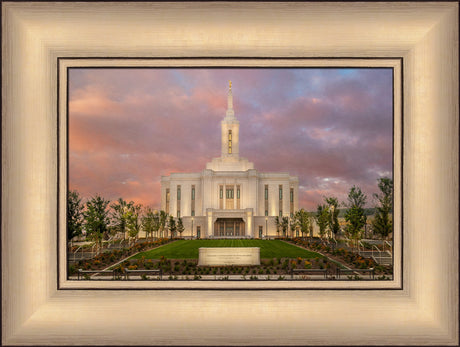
(229, 198)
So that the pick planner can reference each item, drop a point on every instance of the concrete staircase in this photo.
(382, 258)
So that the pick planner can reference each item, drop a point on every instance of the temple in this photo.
(229, 198)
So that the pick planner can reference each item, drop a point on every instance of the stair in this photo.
(383, 258)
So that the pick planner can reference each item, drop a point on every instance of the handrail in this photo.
(350, 242)
(92, 248)
(110, 240)
(74, 253)
(379, 252)
(360, 244)
(389, 244)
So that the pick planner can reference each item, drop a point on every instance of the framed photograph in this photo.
(42, 40)
(342, 116)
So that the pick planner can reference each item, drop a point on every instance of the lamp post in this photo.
(192, 229)
(156, 231)
(266, 229)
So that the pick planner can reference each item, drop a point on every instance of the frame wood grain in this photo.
(35, 34)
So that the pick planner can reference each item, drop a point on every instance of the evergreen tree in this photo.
(322, 219)
(120, 213)
(150, 221)
(162, 221)
(355, 214)
(172, 226)
(133, 221)
(180, 226)
(74, 215)
(383, 223)
(333, 220)
(284, 225)
(278, 225)
(97, 218)
(293, 225)
(302, 218)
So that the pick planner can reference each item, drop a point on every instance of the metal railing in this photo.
(391, 247)
(92, 248)
(362, 246)
(379, 253)
(75, 253)
(82, 247)
(333, 239)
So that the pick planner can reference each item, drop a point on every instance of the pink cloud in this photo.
(135, 125)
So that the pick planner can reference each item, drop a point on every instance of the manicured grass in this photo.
(188, 249)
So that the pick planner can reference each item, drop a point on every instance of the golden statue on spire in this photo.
(230, 84)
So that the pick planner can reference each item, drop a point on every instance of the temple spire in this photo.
(230, 112)
(230, 130)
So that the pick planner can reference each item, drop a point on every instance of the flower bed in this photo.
(105, 259)
(342, 255)
(188, 267)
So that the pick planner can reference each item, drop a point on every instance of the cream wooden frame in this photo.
(425, 311)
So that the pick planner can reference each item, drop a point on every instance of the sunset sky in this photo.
(330, 127)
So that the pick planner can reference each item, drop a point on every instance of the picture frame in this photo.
(36, 34)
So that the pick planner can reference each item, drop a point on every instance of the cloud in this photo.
(127, 127)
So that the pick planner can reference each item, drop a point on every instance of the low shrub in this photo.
(72, 269)
(299, 260)
(148, 264)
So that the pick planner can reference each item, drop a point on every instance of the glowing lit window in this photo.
(230, 142)
(229, 193)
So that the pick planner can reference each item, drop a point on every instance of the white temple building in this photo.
(229, 198)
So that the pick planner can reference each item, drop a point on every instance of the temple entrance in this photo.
(229, 227)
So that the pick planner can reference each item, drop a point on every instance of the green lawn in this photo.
(188, 249)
